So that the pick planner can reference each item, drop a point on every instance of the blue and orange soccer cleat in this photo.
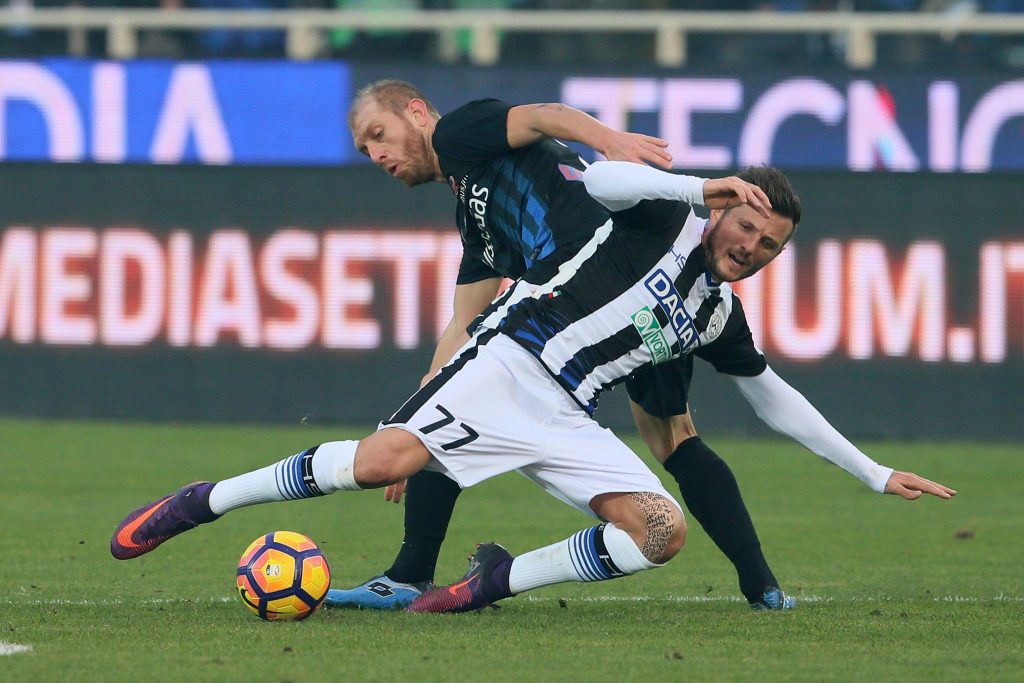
(485, 582)
(773, 599)
(380, 592)
(153, 523)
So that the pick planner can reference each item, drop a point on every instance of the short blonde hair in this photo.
(390, 94)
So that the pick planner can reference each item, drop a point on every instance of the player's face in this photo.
(739, 241)
(394, 143)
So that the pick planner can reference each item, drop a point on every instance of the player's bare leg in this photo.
(662, 435)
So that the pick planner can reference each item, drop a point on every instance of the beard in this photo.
(711, 253)
(418, 169)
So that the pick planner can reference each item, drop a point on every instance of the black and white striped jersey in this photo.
(638, 293)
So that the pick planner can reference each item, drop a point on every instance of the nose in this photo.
(376, 153)
(749, 243)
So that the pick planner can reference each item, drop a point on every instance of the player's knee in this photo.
(669, 533)
(373, 467)
(664, 526)
(388, 456)
(653, 521)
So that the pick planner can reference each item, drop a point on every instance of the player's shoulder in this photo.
(654, 216)
(471, 113)
(476, 131)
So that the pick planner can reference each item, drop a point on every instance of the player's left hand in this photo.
(722, 193)
(394, 491)
(910, 486)
(635, 147)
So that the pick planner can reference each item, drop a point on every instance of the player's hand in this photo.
(910, 486)
(394, 491)
(722, 193)
(641, 149)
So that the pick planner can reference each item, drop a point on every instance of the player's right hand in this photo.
(641, 149)
(910, 486)
(394, 491)
(722, 193)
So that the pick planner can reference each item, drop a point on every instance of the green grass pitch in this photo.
(889, 590)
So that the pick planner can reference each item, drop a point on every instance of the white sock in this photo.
(334, 467)
(314, 472)
(596, 554)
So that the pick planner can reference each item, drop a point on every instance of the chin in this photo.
(729, 277)
(414, 181)
(719, 276)
(730, 273)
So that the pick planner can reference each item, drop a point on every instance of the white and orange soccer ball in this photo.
(283, 576)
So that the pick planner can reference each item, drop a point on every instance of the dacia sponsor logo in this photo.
(646, 323)
(661, 286)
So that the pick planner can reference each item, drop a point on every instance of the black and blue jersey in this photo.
(515, 206)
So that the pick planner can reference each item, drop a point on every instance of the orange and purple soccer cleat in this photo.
(153, 523)
(485, 582)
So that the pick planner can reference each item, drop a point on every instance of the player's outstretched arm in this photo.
(528, 123)
(910, 486)
(787, 411)
(619, 185)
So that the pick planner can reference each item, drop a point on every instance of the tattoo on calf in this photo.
(657, 513)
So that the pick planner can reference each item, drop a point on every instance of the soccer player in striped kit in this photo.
(649, 287)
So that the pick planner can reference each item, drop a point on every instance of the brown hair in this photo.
(776, 185)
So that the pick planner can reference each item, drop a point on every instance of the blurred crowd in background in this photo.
(599, 49)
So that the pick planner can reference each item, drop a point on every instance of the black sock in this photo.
(711, 493)
(429, 502)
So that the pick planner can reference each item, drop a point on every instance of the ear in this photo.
(417, 108)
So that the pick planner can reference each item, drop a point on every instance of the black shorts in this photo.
(662, 389)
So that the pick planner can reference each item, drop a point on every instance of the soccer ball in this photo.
(283, 575)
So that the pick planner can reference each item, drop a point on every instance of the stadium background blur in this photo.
(189, 235)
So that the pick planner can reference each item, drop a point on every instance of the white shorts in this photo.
(494, 409)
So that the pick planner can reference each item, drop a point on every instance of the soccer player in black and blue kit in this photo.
(519, 201)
